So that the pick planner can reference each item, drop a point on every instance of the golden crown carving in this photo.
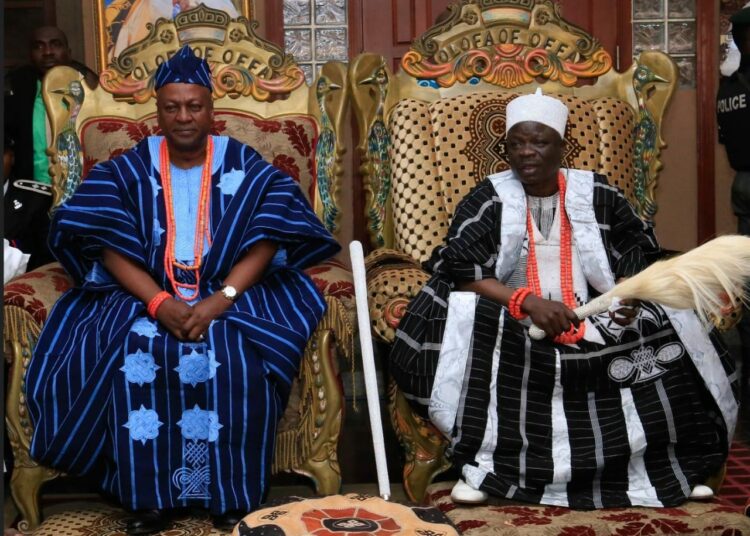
(506, 43)
(242, 64)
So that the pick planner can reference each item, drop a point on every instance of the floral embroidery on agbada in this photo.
(143, 424)
(196, 367)
(140, 367)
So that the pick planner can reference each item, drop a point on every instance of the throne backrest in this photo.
(260, 98)
(431, 132)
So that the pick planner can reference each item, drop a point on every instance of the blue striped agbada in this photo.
(165, 423)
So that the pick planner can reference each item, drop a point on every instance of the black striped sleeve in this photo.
(470, 250)
(631, 241)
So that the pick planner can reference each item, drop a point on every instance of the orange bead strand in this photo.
(202, 227)
(156, 301)
(516, 300)
(573, 335)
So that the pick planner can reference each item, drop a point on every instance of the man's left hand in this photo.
(626, 313)
(203, 313)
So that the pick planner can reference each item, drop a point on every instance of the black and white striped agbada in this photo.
(628, 416)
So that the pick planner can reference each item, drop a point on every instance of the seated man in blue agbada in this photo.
(166, 369)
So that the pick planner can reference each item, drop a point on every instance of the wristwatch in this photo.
(229, 292)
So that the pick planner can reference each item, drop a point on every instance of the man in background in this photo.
(28, 193)
(733, 115)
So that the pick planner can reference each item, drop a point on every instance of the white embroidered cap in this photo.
(539, 108)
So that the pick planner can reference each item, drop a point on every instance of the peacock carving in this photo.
(69, 152)
(326, 154)
(378, 145)
(646, 135)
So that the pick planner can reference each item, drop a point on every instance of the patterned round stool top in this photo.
(345, 515)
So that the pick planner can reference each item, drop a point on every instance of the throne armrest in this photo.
(26, 303)
(393, 279)
(308, 433)
(35, 293)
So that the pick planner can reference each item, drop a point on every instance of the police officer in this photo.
(733, 114)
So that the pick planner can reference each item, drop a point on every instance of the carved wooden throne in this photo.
(261, 99)
(431, 131)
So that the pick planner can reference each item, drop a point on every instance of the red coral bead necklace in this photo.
(202, 227)
(566, 265)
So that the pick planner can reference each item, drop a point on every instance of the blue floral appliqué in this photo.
(144, 327)
(140, 367)
(199, 423)
(230, 182)
(143, 424)
(197, 368)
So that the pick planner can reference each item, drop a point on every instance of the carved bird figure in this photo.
(646, 139)
(378, 144)
(326, 154)
(69, 151)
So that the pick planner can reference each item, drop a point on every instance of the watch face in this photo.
(230, 292)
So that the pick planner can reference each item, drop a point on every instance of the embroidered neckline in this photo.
(202, 227)
(566, 264)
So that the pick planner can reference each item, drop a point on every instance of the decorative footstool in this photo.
(345, 515)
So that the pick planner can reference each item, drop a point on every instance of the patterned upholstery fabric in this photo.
(333, 279)
(515, 519)
(616, 145)
(36, 292)
(288, 144)
(393, 279)
(440, 150)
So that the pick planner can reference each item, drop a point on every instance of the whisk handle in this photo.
(594, 307)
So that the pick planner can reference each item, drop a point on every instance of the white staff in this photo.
(368, 365)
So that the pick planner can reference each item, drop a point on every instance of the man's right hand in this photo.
(173, 314)
(552, 316)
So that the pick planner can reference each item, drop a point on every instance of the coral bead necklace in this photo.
(566, 265)
(202, 227)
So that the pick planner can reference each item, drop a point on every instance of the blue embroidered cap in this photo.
(184, 68)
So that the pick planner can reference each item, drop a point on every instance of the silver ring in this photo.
(201, 337)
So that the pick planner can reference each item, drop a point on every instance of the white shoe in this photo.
(465, 494)
(702, 493)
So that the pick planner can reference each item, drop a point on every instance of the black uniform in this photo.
(26, 207)
(733, 114)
